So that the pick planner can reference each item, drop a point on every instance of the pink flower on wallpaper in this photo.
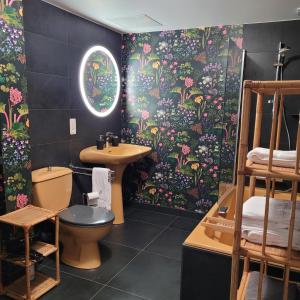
(185, 149)
(145, 114)
(234, 119)
(239, 42)
(188, 82)
(131, 100)
(22, 200)
(209, 42)
(147, 48)
(15, 96)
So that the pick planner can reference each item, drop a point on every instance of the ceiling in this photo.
(129, 15)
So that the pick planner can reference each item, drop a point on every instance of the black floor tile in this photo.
(133, 234)
(169, 243)
(152, 217)
(128, 210)
(150, 276)
(71, 288)
(184, 223)
(114, 257)
(113, 294)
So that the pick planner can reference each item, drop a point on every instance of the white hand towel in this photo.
(279, 219)
(281, 158)
(279, 212)
(275, 237)
(101, 184)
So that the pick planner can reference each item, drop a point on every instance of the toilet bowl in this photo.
(81, 227)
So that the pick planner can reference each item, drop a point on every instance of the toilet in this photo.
(81, 226)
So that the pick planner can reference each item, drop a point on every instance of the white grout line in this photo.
(120, 244)
(162, 255)
(75, 275)
(126, 292)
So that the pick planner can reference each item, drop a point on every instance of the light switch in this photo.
(72, 126)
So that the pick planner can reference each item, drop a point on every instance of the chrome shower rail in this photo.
(74, 168)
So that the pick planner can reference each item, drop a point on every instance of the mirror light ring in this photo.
(84, 60)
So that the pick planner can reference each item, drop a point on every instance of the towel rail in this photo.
(74, 168)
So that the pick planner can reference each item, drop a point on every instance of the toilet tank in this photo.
(52, 188)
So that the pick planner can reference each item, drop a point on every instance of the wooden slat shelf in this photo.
(287, 258)
(246, 277)
(41, 247)
(24, 288)
(260, 170)
(286, 87)
(27, 216)
(273, 254)
(20, 262)
(270, 91)
(39, 286)
(276, 255)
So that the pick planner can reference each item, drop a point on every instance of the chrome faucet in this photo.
(108, 138)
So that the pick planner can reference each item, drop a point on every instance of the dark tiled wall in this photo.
(55, 42)
(261, 42)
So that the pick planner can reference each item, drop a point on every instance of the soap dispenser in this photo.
(100, 142)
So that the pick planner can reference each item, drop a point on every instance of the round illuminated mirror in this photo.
(99, 81)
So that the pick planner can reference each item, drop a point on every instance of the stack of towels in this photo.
(286, 159)
(279, 220)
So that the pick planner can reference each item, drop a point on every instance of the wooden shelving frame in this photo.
(287, 258)
(24, 288)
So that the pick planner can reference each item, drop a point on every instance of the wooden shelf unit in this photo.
(39, 286)
(287, 258)
(24, 288)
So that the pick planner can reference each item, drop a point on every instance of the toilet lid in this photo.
(82, 215)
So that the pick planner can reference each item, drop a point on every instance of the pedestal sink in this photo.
(116, 159)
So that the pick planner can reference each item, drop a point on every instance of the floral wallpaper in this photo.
(100, 81)
(13, 107)
(181, 91)
(2, 195)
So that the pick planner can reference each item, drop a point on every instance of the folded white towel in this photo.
(101, 185)
(279, 219)
(279, 212)
(281, 158)
(275, 237)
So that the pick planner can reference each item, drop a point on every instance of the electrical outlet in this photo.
(72, 126)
